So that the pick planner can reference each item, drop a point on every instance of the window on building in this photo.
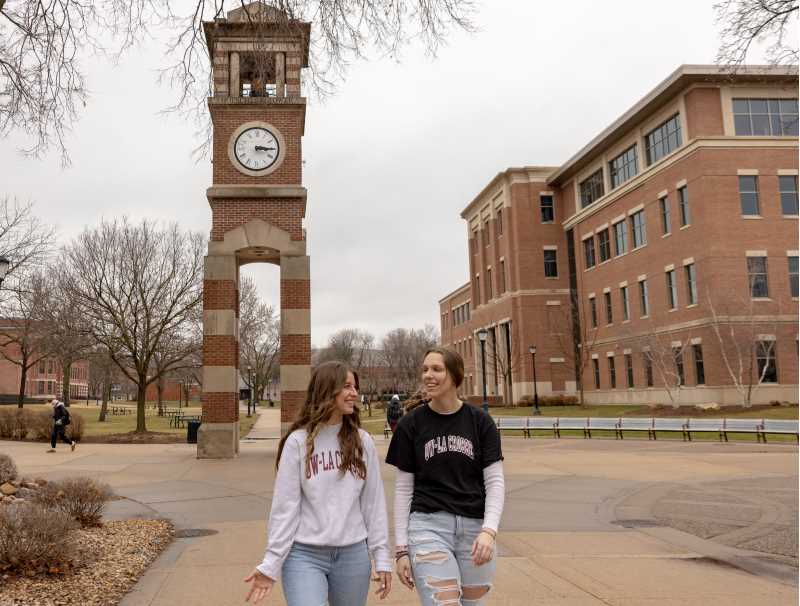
(672, 290)
(39, 388)
(473, 242)
(550, 264)
(748, 194)
(639, 229)
(623, 167)
(767, 364)
(663, 139)
(621, 237)
(691, 283)
(771, 117)
(41, 367)
(683, 204)
(486, 234)
(596, 368)
(478, 297)
(644, 303)
(699, 369)
(51, 366)
(629, 369)
(757, 277)
(588, 252)
(547, 209)
(612, 372)
(677, 354)
(502, 277)
(793, 277)
(489, 293)
(609, 310)
(664, 205)
(593, 311)
(647, 359)
(788, 189)
(499, 221)
(467, 311)
(626, 304)
(592, 188)
(603, 245)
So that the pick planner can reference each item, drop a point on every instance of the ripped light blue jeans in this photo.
(440, 546)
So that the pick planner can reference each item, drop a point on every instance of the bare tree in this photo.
(402, 352)
(745, 22)
(44, 46)
(666, 353)
(576, 340)
(25, 240)
(259, 339)
(504, 356)
(179, 349)
(137, 286)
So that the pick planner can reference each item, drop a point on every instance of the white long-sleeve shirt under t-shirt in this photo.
(322, 507)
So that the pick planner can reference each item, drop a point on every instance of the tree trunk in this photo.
(66, 370)
(106, 397)
(23, 378)
(141, 394)
(160, 396)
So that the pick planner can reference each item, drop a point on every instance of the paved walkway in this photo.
(587, 523)
(267, 426)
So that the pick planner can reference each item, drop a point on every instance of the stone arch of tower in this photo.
(256, 218)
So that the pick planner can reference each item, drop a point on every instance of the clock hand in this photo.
(262, 148)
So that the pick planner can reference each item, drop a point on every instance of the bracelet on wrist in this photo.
(400, 554)
(490, 532)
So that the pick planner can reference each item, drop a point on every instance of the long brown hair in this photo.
(326, 382)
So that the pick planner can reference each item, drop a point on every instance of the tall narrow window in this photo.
(644, 303)
(550, 264)
(767, 366)
(793, 278)
(664, 205)
(663, 139)
(621, 237)
(547, 208)
(596, 368)
(677, 354)
(499, 221)
(629, 369)
(478, 297)
(486, 234)
(593, 311)
(609, 310)
(639, 229)
(691, 283)
(489, 293)
(748, 195)
(612, 372)
(699, 369)
(757, 277)
(502, 277)
(588, 252)
(626, 304)
(683, 203)
(672, 290)
(788, 189)
(647, 359)
(603, 245)
(591, 188)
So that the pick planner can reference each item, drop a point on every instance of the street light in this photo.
(4, 263)
(536, 411)
(482, 334)
(250, 385)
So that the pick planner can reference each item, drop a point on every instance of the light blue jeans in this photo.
(440, 546)
(314, 575)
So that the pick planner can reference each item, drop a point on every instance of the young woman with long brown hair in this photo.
(328, 509)
(449, 490)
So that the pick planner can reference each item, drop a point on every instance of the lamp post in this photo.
(250, 385)
(4, 263)
(536, 411)
(482, 333)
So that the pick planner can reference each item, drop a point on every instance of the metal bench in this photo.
(543, 423)
(669, 424)
(387, 430)
(513, 423)
(636, 424)
(776, 426)
(741, 426)
(604, 423)
(716, 426)
(574, 423)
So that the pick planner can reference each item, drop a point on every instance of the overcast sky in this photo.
(393, 158)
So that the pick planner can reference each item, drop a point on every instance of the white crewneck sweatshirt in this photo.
(322, 507)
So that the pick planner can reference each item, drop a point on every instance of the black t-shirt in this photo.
(447, 455)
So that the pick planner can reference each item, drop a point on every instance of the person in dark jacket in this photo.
(394, 411)
(60, 421)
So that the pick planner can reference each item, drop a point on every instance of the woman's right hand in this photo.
(404, 572)
(261, 588)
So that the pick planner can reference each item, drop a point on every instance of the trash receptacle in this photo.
(191, 431)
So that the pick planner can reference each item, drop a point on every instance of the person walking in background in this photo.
(328, 508)
(61, 420)
(394, 411)
(449, 490)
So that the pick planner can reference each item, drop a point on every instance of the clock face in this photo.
(256, 148)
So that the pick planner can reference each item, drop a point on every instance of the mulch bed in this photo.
(112, 557)
(148, 437)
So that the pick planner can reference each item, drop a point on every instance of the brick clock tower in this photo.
(258, 204)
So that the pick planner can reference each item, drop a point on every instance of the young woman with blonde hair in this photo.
(328, 509)
(449, 490)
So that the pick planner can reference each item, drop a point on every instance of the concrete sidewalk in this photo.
(267, 426)
(583, 524)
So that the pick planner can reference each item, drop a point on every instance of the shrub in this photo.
(82, 499)
(40, 425)
(76, 427)
(14, 422)
(6, 422)
(557, 400)
(34, 540)
(8, 471)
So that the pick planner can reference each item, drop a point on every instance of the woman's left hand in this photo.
(384, 580)
(482, 548)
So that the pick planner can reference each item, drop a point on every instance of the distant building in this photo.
(666, 248)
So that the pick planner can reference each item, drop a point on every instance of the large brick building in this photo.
(658, 264)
